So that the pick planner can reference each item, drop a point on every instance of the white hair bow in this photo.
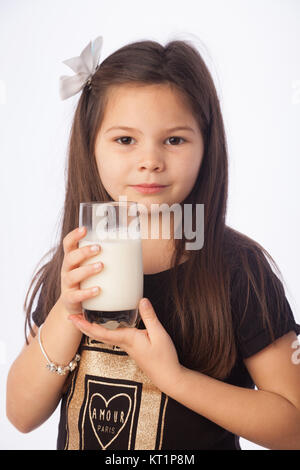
(85, 66)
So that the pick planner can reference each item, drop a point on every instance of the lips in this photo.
(150, 185)
(149, 188)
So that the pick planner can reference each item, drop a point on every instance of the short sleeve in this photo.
(252, 331)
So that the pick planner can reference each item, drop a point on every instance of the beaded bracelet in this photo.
(60, 370)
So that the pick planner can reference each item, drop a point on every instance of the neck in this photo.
(158, 242)
(157, 226)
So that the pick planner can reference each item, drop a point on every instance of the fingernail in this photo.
(145, 303)
(95, 248)
(81, 229)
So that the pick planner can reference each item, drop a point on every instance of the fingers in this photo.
(70, 241)
(77, 256)
(149, 317)
(77, 275)
(125, 338)
(121, 336)
(79, 295)
(75, 266)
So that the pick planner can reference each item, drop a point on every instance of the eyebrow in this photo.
(125, 128)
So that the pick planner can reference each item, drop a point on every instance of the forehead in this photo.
(135, 101)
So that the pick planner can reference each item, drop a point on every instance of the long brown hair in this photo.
(205, 292)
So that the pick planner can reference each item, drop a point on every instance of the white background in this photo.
(252, 49)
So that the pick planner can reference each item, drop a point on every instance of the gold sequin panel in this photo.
(112, 404)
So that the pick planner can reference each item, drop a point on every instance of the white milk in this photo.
(121, 278)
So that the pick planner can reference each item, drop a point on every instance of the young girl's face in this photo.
(151, 151)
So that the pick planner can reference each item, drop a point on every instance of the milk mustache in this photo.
(120, 281)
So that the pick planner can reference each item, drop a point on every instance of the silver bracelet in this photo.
(60, 370)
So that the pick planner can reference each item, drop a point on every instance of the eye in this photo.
(125, 140)
(124, 137)
(176, 137)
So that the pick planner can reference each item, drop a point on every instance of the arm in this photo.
(33, 392)
(269, 416)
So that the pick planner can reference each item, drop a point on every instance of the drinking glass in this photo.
(115, 226)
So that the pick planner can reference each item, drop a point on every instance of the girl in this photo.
(217, 321)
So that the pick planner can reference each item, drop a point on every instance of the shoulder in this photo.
(240, 250)
(261, 312)
(249, 263)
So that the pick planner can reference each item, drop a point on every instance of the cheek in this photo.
(188, 171)
(188, 174)
(110, 173)
(194, 165)
(193, 174)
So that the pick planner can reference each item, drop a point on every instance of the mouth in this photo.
(149, 188)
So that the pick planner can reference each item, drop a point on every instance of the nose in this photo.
(152, 161)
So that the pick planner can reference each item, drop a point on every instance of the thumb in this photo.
(148, 315)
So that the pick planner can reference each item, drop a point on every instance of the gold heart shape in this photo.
(107, 402)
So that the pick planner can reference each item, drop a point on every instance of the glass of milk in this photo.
(115, 226)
